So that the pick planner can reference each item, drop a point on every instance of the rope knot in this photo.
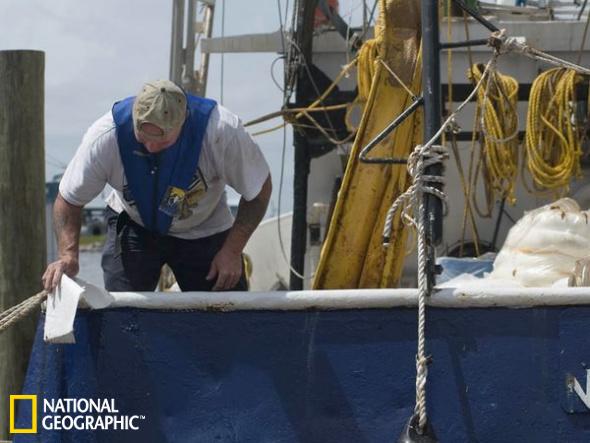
(503, 44)
(454, 127)
(421, 158)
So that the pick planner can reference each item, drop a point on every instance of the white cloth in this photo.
(228, 156)
(62, 305)
(61, 312)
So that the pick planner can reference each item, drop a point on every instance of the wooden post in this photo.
(22, 209)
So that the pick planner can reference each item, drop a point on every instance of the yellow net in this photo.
(389, 68)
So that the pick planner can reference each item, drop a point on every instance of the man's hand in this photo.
(52, 276)
(227, 266)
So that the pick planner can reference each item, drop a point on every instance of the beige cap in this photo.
(160, 103)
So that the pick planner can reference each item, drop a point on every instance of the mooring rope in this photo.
(412, 200)
(22, 310)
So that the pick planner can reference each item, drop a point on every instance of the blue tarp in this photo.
(453, 267)
(498, 375)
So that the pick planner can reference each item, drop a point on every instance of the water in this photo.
(90, 269)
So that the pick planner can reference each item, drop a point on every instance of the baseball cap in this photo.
(161, 103)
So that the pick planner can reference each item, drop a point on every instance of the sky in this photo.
(99, 52)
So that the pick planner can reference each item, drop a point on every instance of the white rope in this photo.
(504, 44)
(423, 159)
(420, 181)
(420, 159)
(412, 199)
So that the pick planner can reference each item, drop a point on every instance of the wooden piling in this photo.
(22, 209)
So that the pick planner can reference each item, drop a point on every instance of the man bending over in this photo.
(168, 157)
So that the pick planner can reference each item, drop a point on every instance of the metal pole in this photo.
(473, 13)
(176, 41)
(432, 118)
(188, 74)
(498, 221)
(304, 91)
(478, 42)
(208, 32)
(299, 227)
(23, 247)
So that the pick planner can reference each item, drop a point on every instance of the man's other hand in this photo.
(52, 276)
(227, 266)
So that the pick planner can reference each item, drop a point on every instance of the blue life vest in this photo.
(157, 182)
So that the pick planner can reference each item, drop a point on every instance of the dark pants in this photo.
(133, 257)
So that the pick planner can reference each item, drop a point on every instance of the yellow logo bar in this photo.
(33, 428)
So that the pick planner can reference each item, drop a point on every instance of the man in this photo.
(168, 157)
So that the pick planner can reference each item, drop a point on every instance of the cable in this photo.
(272, 74)
(281, 28)
(313, 107)
(582, 11)
(287, 91)
(290, 65)
(281, 180)
(371, 16)
(223, 51)
(468, 211)
(503, 44)
(301, 111)
(396, 77)
(286, 11)
(312, 81)
(55, 160)
(268, 131)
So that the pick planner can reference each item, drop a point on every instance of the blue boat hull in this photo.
(498, 375)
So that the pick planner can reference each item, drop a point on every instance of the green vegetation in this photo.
(90, 240)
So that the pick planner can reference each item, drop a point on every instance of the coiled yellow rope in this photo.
(496, 103)
(553, 134)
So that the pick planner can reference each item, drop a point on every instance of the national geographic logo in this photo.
(22, 398)
(67, 414)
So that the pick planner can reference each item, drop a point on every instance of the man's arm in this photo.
(67, 220)
(227, 264)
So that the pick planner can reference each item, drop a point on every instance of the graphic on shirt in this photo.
(172, 200)
(195, 193)
(177, 202)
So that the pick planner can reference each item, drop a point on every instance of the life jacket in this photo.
(158, 182)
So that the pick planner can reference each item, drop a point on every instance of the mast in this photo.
(303, 38)
(186, 33)
(431, 88)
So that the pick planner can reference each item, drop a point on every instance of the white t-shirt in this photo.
(228, 156)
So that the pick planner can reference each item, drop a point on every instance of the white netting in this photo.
(544, 245)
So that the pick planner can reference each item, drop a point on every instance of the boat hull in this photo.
(498, 375)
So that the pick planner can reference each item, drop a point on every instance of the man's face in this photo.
(151, 136)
